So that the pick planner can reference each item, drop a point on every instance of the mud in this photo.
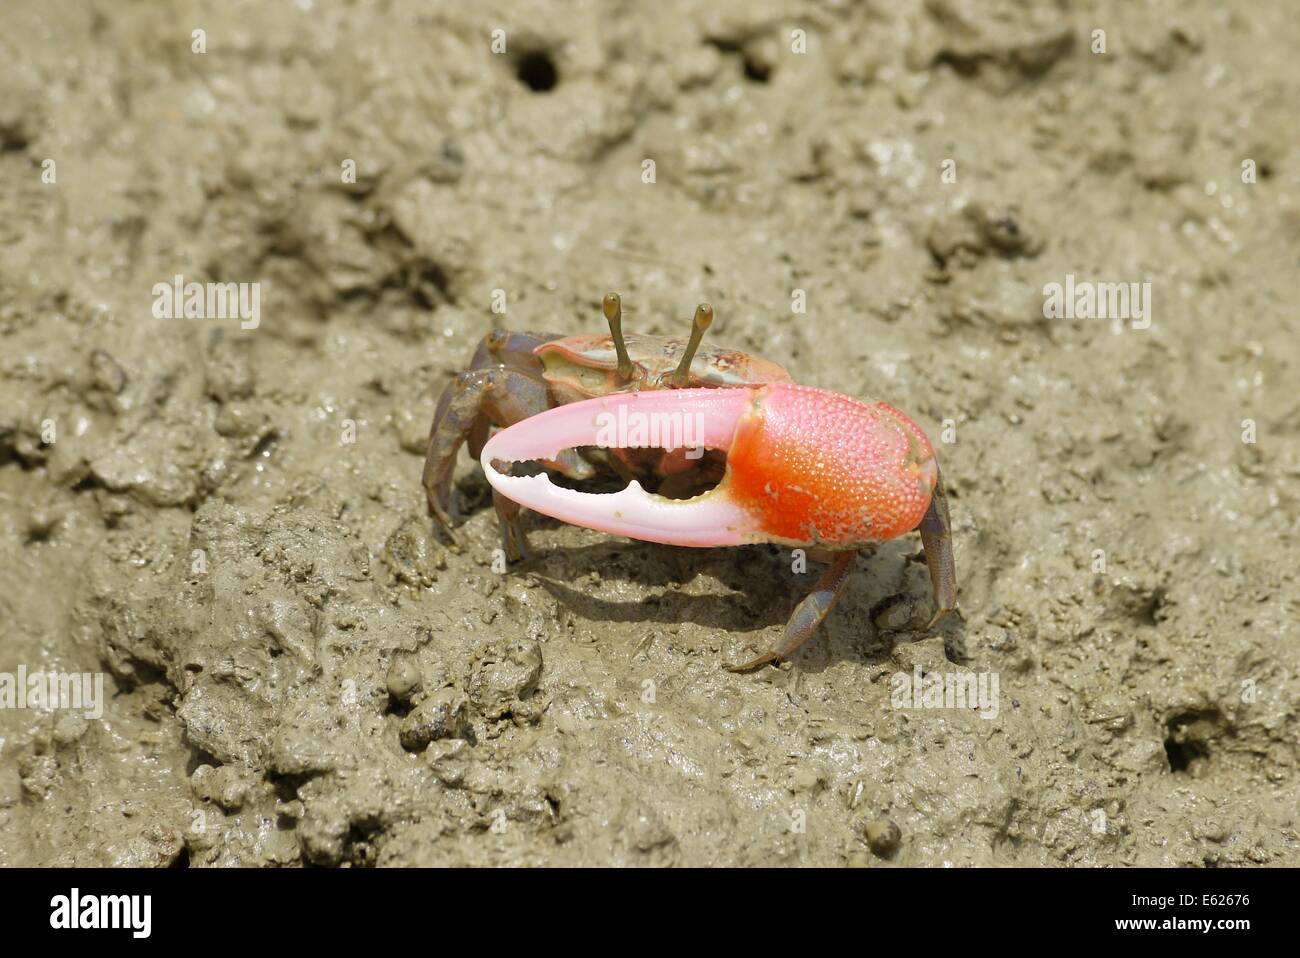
(227, 522)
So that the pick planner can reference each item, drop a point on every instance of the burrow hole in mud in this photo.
(1187, 740)
(427, 283)
(360, 845)
(1148, 612)
(676, 474)
(536, 70)
(755, 70)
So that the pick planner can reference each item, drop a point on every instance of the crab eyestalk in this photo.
(703, 319)
(612, 306)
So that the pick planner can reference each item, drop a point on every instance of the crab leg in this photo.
(468, 408)
(612, 307)
(808, 614)
(936, 538)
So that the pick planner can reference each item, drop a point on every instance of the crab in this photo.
(715, 447)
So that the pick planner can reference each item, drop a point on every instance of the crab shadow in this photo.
(662, 584)
(760, 588)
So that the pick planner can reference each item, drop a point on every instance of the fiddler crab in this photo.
(733, 451)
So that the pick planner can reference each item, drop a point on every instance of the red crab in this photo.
(734, 452)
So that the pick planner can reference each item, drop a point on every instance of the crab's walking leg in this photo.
(470, 405)
(513, 539)
(703, 319)
(808, 614)
(936, 537)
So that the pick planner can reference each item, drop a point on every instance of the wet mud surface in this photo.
(228, 522)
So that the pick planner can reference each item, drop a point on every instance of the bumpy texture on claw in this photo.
(804, 466)
(827, 469)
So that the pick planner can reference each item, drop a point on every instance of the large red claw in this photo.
(804, 466)
(823, 468)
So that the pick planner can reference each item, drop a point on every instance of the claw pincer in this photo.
(805, 467)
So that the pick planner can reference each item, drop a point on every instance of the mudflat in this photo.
(211, 497)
